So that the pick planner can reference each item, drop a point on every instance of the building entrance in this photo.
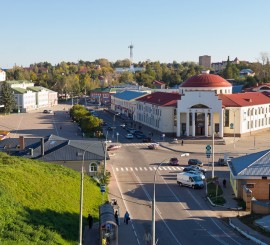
(200, 124)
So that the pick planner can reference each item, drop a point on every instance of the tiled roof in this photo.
(256, 164)
(206, 80)
(158, 82)
(161, 99)
(244, 99)
(128, 95)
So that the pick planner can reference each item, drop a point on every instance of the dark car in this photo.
(174, 161)
(137, 132)
(195, 162)
(140, 136)
(104, 124)
(147, 139)
(193, 167)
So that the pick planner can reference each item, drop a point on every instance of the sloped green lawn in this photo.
(40, 202)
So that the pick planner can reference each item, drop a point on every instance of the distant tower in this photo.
(131, 54)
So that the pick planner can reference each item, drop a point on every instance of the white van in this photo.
(190, 180)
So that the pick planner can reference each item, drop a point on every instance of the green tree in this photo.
(7, 98)
(126, 77)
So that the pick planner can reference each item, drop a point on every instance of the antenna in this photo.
(131, 53)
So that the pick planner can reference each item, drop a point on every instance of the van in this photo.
(190, 180)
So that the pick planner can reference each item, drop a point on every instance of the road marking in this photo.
(136, 169)
(169, 168)
(145, 168)
(131, 169)
(179, 168)
(150, 168)
(117, 169)
(173, 168)
(126, 168)
(163, 168)
(122, 169)
(141, 169)
(155, 168)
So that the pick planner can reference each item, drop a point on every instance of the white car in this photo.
(197, 173)
(129, 136)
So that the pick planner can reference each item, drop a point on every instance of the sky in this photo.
(35, 31)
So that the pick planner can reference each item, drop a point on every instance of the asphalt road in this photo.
(182, 215)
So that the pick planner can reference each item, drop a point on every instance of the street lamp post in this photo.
(233, 129)
(154, 207)
(81, 188)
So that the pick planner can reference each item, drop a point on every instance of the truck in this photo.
(190, 179)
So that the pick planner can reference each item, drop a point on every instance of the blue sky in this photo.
(166, 30)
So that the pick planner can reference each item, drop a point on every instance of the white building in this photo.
(205, 105)
(2, 75)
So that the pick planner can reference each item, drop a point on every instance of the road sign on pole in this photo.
(102, 188)
(231, 126)
(208, 148)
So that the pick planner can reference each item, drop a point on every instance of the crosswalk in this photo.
(153, 168)
(135, 144)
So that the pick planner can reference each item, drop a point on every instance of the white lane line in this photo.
(141, 169)
(126, 168)
(155, 168)
(146, 169)
(169, 168)
(136, 169)
(163, 168)
(150, 168)
(122, 169)
(173, 168)
(179, 168)
(131, 169)
(117, 169)
(124, 201)
(157, 210)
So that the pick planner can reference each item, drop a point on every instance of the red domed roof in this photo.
(206, 80)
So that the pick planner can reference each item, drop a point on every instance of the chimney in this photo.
(42, 146)
(21, 143)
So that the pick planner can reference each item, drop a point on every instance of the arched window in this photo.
(93, 167)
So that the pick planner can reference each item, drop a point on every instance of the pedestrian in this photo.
(60, 127)
(224, 183)
(116, 217)
(126, 217)
(90, 220)
(182, 142)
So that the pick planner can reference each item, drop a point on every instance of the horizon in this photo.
(173, 31)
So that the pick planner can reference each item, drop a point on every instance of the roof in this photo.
(161, 99)
(18, 81)
(58, 149)
(244, 99)
(158, 82)
(19, 90)
(129, 95)
(206, 80)
(256, 164)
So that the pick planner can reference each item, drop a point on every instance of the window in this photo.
(249, 185)
(226, 118)
(93, 167)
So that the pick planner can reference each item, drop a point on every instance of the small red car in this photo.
(174, 161)
(113, 147)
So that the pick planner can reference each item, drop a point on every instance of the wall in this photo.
(259, 207)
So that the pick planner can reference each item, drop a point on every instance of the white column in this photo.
(212, 124)
(193, 123)
(187, 124)
(178, 132)
(221, 123)
(206, 124)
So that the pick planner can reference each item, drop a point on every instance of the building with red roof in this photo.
(205, 106)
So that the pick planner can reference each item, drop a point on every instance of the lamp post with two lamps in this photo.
(82, 180)
(154, 206)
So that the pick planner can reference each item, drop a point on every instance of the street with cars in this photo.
(183, 215)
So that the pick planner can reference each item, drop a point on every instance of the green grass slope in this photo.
(40, 202)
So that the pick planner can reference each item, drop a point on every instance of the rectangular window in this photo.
(249, 185)
(226, 118)
(247, 125)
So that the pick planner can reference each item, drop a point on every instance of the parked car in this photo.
(130, 130)
(174, 161)
(113, 147)
(104, 124)
(153, 146)
(137, 132)
(147, 139)
(110, 128)
(196, 162)
(122, 125)
(222, 162)
(129, 136)
(194, 167)
(48, 111)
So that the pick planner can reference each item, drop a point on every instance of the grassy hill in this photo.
(40, 202)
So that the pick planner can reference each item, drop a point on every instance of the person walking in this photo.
(116, 217)
(126, 217)
(182, 142)
(224, 183)
(90, 220)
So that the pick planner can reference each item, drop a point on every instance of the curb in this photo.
(246, 234)
(215, 205)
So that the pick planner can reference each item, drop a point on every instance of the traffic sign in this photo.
(231, 126)
(102, 188)
(208, 148)
(208, 155)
